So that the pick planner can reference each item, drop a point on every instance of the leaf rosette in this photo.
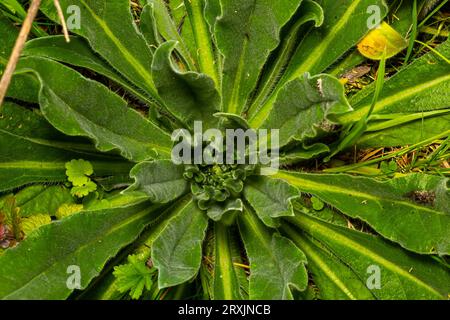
(224, 228)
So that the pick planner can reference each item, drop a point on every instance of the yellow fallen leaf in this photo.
(379, 39)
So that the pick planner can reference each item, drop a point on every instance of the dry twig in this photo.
(20, 43)
(18, 47)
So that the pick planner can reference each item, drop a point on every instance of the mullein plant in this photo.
(93, 207)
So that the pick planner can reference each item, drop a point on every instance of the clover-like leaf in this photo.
(83, 190)
(78, 172)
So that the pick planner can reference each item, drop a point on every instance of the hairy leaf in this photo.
(202, 37)
(335, 280)
(165, 26)
(277, 264)
(177, 252)
(190, 96)
(77, 53)
(246, 32)
(303, 106)
(162, 181)
(81, 107)
(226, 282)
(310, 12)
(270, 198)
(345, 23)
(221, 209)
(402, 275)
(109, 27)
(412, 210)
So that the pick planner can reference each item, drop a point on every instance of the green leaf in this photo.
(345, 23)
(110, 29)
(246, 32)
(78, 171)
(227, 208)
(22, 130)
(134, 277)
(19, 14)
(303, 106)
(212, 12)
(335, 280)
(98, 113)
(15, 7)
(310, 12)
(226, 282)
(190, 96)
(148, 28)
(177, 252)
(388, 167)
(161, 181)
(277, 265)
(106, 288)
(405, 134)
(317, 204)
(38, 199)
(403, 275)
(166, 27)
(28, 194)
(303, 152)
(270, 198)
(77, 53)
(231, 120)
(45, 200)
(88, 240)
(393, 207)
(421, 86)
(305, 205)
(84, 189)
(203, 38)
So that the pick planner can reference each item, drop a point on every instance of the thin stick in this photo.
(18, 47)
(62, 19)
